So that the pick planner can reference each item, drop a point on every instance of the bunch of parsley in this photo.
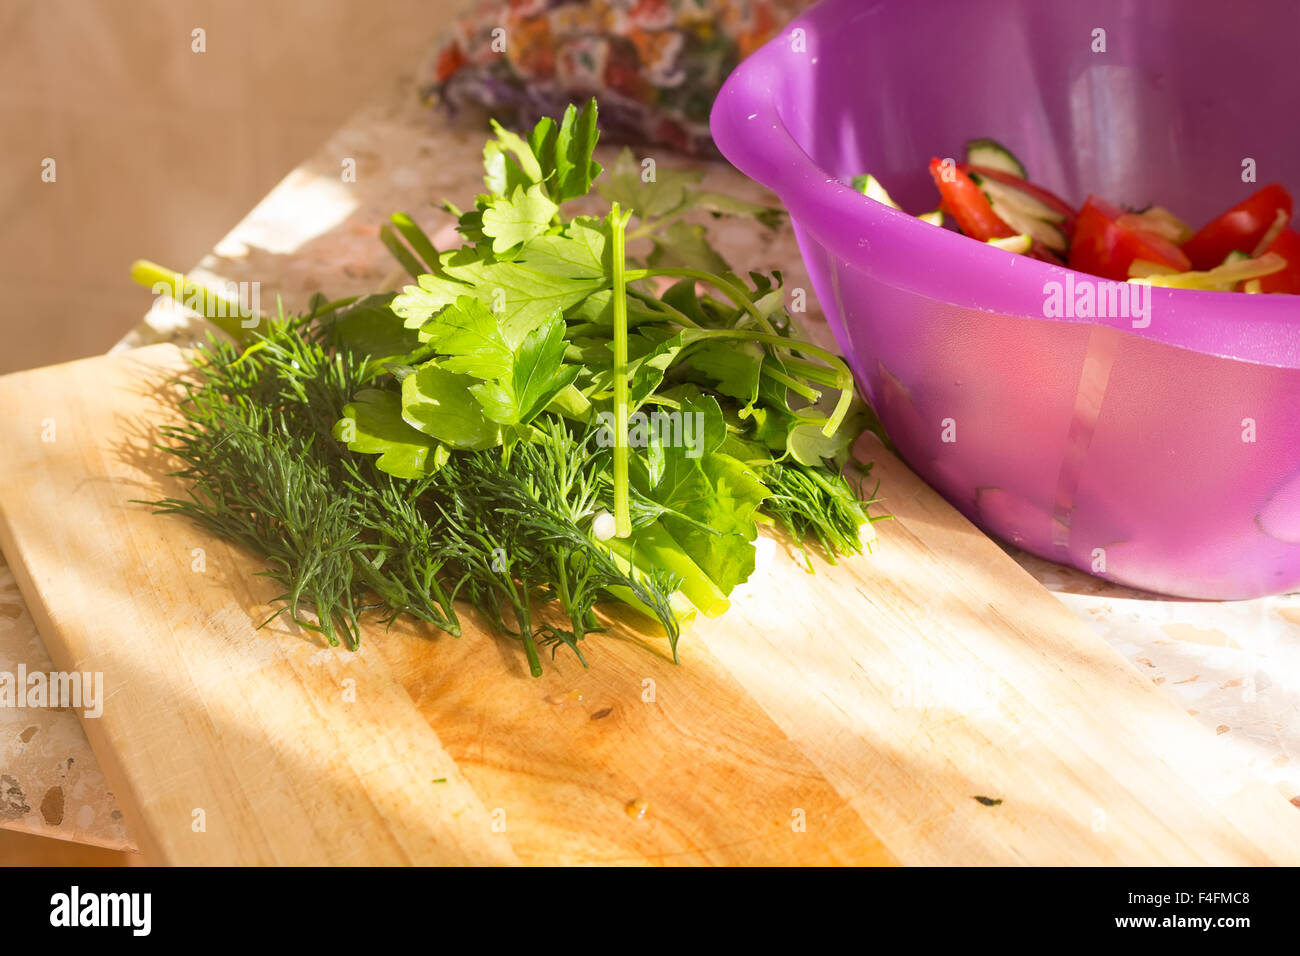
(489, 435)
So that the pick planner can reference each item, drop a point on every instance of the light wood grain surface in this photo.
(856, 715)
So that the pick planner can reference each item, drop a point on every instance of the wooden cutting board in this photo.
(929, 704)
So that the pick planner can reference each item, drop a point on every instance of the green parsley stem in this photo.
(813, 371)
(654, 547)
(796, 386)
(328, 307)
(733, 292)
(649, 227)
(403, 255)
(227, 315)
(618, 232)
(421, 243)
(680, 317)
(843, 377)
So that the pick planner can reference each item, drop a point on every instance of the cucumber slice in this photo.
(870, 187)
(1000, 195)
(1024, 213)
(1047, 233)
(1018, 244)
(991, 153)
(1158, 220)
(934, 218)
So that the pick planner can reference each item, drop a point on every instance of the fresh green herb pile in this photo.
(539, 426)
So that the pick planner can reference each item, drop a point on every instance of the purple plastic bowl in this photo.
(1165, 457)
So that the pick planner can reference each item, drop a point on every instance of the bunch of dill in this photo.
(508, 534)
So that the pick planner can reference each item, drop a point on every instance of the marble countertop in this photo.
(50, 783)
(1235, 666)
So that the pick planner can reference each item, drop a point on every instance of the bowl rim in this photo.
(909, 253)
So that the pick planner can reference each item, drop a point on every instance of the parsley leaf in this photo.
(581, 253)
(440, 403)
(732, 367)
(682, 245)
(509, 162)
(368, 327)
(526, 296)
(470, 339)
(537, 375)
(663, 195)
(526, 214)
(372, 424)
(709, 498)
(574, 144)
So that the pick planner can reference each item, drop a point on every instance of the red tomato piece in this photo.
(1239, 229)
(967, 203)
(1102, 247)
(1286, 245)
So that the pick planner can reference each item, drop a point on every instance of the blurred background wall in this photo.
(160, 150)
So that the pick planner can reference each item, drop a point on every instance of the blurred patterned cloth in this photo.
(655, 65)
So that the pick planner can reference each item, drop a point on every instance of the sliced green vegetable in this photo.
(870, 187)
(993, 155)
(1017, 244)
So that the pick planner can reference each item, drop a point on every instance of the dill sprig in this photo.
(510, 534)
(817, 503)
